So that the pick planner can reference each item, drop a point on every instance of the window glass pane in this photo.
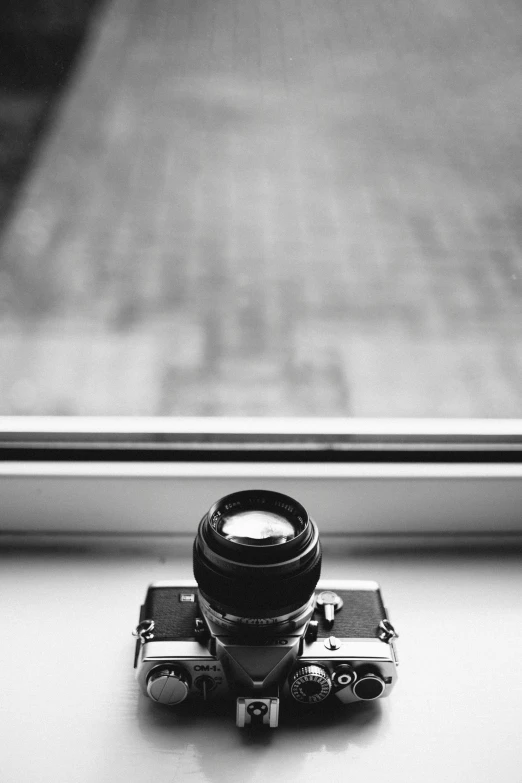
(261, 208)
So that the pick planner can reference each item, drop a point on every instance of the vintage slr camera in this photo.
(257, 627)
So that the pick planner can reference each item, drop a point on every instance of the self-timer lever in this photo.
(330, 603)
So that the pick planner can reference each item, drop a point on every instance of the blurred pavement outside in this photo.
(249, 207)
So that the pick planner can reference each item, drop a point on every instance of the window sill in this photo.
(454, 715)
(163, 498)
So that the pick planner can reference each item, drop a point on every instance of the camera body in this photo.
(339, 646)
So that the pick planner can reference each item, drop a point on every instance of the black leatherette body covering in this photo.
(359, 616)
(174, 619)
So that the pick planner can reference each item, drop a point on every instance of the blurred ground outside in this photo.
(39, 40)
(257, 208)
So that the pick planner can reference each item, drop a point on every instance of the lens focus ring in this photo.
(263, 595)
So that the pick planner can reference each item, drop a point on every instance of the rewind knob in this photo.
(168, 685)
(310, 684)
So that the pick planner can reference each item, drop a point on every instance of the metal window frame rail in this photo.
(367, 477)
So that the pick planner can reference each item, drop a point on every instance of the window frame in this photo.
(367, 477)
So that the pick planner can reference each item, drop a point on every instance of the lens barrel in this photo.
(257, 554)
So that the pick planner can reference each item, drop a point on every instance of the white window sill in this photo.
(71, 710)
(352, 499)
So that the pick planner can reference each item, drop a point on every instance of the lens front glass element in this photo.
(256, 528)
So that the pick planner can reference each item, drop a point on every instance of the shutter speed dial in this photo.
(310, 684)
(168, 685)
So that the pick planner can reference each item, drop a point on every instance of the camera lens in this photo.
(257, 555)
(257, 528)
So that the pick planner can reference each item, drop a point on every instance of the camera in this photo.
(257, 626)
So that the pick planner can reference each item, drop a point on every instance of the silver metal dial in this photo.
(310, 684)
(168, 685)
